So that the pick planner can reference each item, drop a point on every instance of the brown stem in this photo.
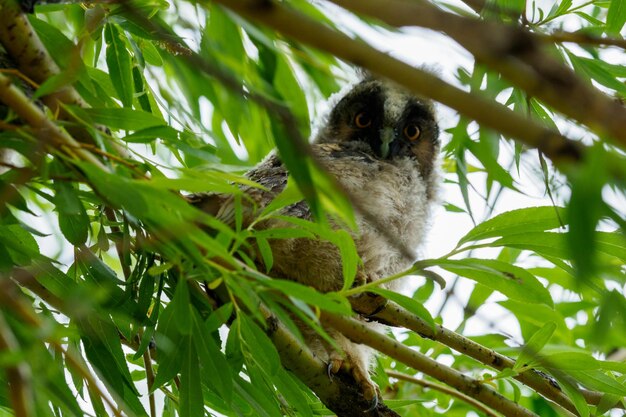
(489, 113)
(442, 388)
(360, 333)
(516, 54)
(18, 375)
(541, 383)
(45, 130)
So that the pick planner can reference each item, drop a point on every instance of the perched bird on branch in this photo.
(380, 143)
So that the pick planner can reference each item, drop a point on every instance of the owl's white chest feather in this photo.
(395, 196)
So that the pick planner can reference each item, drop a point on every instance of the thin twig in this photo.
(18, 375)
(516, 54)
(442, 388)
(581, 38)
(359, 332)
(47, 132)
(277, 15)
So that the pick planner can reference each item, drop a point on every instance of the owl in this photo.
(380, 143)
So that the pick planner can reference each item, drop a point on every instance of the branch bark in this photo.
(43, 128)
(558, 148)
(442, 388)
(516, 54)
(20, 40)
(395, 315)
(360, 333)
(339, 394)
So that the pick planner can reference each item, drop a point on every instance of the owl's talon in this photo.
(373, 402)
(334, 365)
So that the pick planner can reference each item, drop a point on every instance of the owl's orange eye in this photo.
(412, 132)
(362, 120)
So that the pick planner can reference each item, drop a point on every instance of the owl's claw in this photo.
(334, 365)
(374, 404)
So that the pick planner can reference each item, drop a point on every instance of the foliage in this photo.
(105, 266)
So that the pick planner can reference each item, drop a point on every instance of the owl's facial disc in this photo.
(391, 121)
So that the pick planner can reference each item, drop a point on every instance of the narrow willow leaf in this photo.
(349, 257)
(190, 403)
(579, 361)
(530, 351)
(216, 372)
(259, 345)
(266, 252)
(599, 381)
(103, 349)
(532, 219)
(126, 119)
(119, 64)
(73, 219)
(309, 295)
(616, 17)
(21, 247)
(408, 303)
(514, 282)
(573, 392)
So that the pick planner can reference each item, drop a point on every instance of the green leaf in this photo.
(259, 346)
(309, 295)
(532, 219)
(216, 372)
(573, 392)
(616, 17)
(126, 119)
(73, 219)
(119, 63)
(181, 309)
(408, 303)
(190, 403)
(20, 246)
(599, 381)
(514, 282)
(266, 252)
(103, 349)
(530, 352)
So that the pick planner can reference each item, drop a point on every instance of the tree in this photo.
(115, 296)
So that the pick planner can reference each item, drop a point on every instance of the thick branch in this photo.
(395, 315)
(492, 114)
(45, 130)
(360, 333)
(22, 43)
(516, 54)
(444, 389)
(339, 394)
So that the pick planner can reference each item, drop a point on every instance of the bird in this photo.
(380, 143)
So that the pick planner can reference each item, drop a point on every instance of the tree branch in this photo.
(395, 315)
(516, 54)
(442, 388)
(558, 148)
(360, 333)
(43, 128)
(340, 394)
(22, 43)
(18, 375)
(580, 38)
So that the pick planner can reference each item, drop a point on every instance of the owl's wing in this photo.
(271, 175)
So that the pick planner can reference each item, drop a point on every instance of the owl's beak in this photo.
(387, 136)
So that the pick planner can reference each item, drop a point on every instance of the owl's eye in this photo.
(362, 120)
(412, 132)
